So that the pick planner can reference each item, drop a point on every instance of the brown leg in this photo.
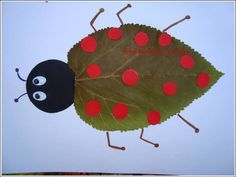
(109, 144)
(94, 18)
(186, 17)
(118, 13)
(191, 125)
(141, 137)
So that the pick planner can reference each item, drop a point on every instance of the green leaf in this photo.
(153, 70)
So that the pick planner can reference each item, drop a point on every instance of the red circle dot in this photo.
(141, 39)
(93, 108)
(164, 39)
(93, 70)
(203, 80)
(169, 88)
(186, 62)
(114, 34)
(120, 111)
(88, 44)
(130, 77)
(154, 117)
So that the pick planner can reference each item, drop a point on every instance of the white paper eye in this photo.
(39, 96)
(39, 80)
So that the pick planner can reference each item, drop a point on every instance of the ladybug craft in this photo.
(123, 78)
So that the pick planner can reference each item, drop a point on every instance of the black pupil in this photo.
(36, 81)
(37, 96)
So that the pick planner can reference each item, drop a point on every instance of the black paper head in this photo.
(50, 86)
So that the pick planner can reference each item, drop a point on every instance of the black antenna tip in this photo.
(128, 5)
(16, 100)
(17, 69)
(122, 148)
(187, 17)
